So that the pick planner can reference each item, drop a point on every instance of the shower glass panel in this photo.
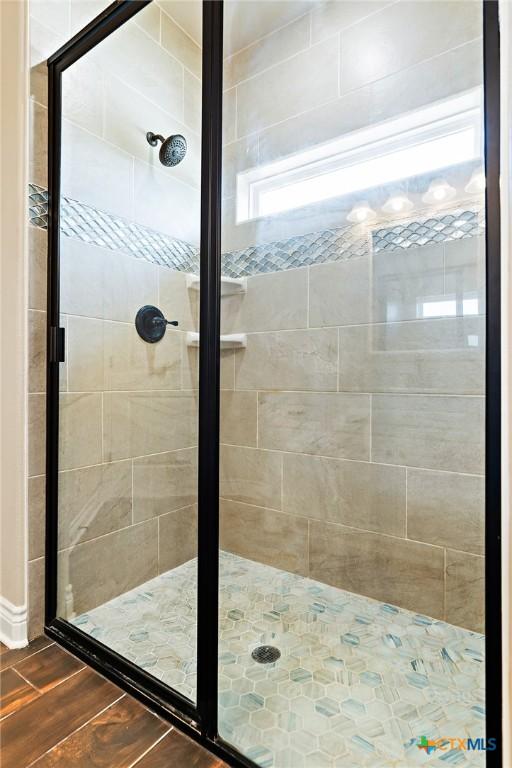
(130, 220)
(352, 402)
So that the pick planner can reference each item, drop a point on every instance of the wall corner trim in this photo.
(13, 624)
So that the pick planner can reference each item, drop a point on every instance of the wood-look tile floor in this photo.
(55, 712)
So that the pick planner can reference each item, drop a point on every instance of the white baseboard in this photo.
(13, 624)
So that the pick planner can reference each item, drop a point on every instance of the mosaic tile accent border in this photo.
(304, 250)
(97, 227)
(454, 225)
(91, 225)
(357, 684)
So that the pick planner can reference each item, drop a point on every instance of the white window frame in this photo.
(320, 170)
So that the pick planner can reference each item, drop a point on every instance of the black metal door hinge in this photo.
(56, 344)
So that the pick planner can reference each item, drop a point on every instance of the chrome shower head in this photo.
(173, 149)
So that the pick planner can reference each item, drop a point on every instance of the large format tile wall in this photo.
(353, 440)
(128, 409)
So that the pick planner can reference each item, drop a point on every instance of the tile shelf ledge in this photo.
(228, 285)
(227, 341)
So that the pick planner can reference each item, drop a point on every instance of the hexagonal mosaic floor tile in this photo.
(357, 683)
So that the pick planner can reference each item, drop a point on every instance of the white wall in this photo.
(13, 340)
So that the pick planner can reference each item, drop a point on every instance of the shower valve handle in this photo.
(151, 323)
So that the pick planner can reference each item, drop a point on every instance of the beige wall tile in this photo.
(237, 157)
(148, 19)
(95, 172)
(35, 598)
(383, 99)
(99, 283)
(177, 302)
(181, 46)
(163, 483)
(37, 257)
(131, 363)
(160, 78)
(289, 360)
(276, 539)
(229, 115)
(265, 53)
(80, 430)
(251, 476)
(81, 278)
(83, 95)
(177, 540)
(273, 302)
(140, 423)
(238, 418)
(54, 14)
(36, 434)
(404, 279)
(84, 11)
(303, 82)
(402, 35)
(36, 351)
(328, 18)
(164, 203)
(396, 571)
(38, 145)
(465, 590)
(190, 367)
(122, 560)
(339, 293)
(327, 424)
(369, 496)
(128, 284)
(36, 516)
(465, 271)
(438, 356)
(94, 501)
(128, 117)
(85, 354)
(433, 432)
(43, 42)
(446, 509)
(192, 101)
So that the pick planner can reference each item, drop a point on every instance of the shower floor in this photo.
(357, 684)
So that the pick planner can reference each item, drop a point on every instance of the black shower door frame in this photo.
(200, 720)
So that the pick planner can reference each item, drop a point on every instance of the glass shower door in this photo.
(352, 403)
(129, 259)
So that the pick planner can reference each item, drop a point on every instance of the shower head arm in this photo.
(154, 138)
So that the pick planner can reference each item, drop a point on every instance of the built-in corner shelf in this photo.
(227, 341)
(228, 285)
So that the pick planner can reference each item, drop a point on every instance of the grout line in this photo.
(338, 372)
(62, 741)
(267, 35)
(406, 502)
(370, 435)
(137, 523)
(367, 85)
(132, 499)
(38, 690)
(339, 62)
(65, 679)
(149, 749)
(41, 649)
(444, 582)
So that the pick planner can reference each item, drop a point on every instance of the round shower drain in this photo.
(266, 654)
